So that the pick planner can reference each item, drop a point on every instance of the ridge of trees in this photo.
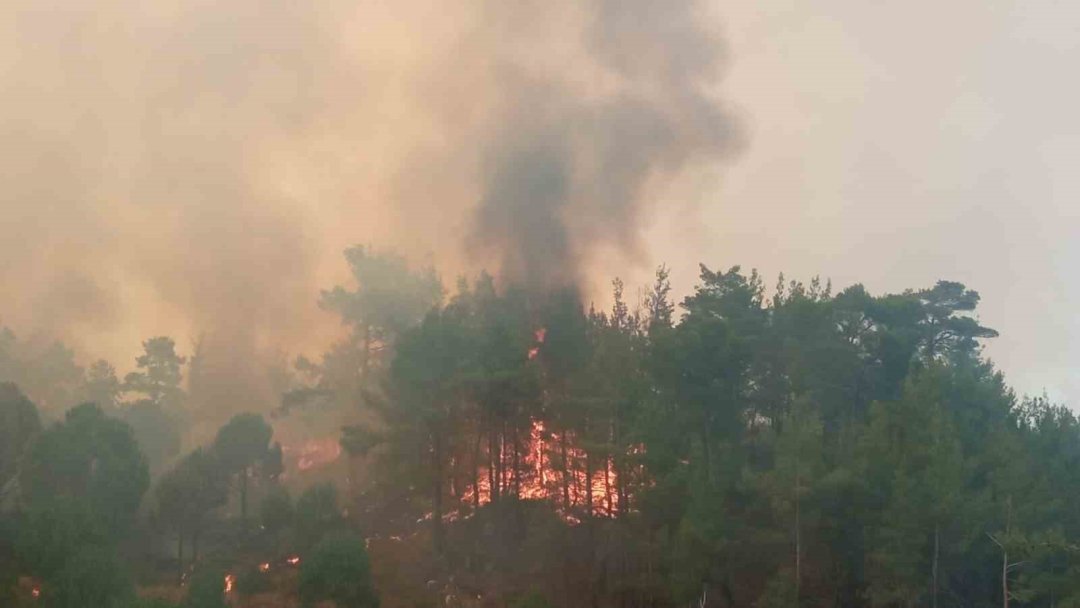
(743, 447)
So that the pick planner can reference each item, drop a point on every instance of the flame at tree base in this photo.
(548, 466)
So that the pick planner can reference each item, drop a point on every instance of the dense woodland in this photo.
(514, 446)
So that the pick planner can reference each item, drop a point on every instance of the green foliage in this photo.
(150, 602)
(241, 445)
(276, 511)
(338, 570)
(780, 591)
(388, 298)
(242, 442)
(802, 448)
(101, 386)
(48, 534)
(45, 371)
(9, 566)
(189, 493)
(156, 429)
(533, 599)
(207, 588)
(19, 425)
(159, 373)
(762, 450)
(91, 577)
(88, 461)
(317, 512)
(251, 581)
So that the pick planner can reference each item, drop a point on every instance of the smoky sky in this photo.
(568, 166)
(188, 167)
(195, 169)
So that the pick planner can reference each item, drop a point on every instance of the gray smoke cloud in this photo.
(567, 167)
(195, 168)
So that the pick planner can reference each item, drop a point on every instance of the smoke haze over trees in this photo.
(357, 302)
(748, 446)
(204, 161)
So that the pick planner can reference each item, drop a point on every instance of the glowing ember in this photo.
(36, 592)
(539, 336)
(264, 567)
(294, 560)
(314, 453)
(230, 580)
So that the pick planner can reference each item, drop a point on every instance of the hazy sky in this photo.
(897, 143)
(189, 166)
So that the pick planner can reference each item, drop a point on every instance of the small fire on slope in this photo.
(539, 336)
(552, 468)
(314, 453)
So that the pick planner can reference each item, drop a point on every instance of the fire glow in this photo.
(573, 488)
(314, 453)
(539, 336)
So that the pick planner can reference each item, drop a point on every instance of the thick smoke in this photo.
(195, 168)
(568, 163)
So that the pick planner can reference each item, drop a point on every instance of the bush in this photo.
(251, 581)
(91, 577)
(338, 569)
(317, 513)
(207, 588)
(152, 602)
(276, 510)
(533, 599)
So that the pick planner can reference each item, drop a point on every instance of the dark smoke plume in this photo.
(567, 168)
(193, 168)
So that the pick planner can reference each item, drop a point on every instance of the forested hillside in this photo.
(747, 446)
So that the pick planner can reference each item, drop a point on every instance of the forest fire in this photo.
(314, 453)
(539, 336)
(546, 465)
(230, 582)
(550, 467)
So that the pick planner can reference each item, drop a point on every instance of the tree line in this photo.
(744, 446)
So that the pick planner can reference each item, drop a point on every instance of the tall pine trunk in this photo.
(565, 470)
(436, 494)
(476, 470)
(517, 464)
(493, 470)
(180, 558)
(588, 472)
(243, 493)
(195, 546)
(798, 533)
(935, 568)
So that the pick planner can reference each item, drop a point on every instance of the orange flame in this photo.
(264, 567)
(539, 477)
(314, 452)
(293, 560)
(539, 336)
(230, 580)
